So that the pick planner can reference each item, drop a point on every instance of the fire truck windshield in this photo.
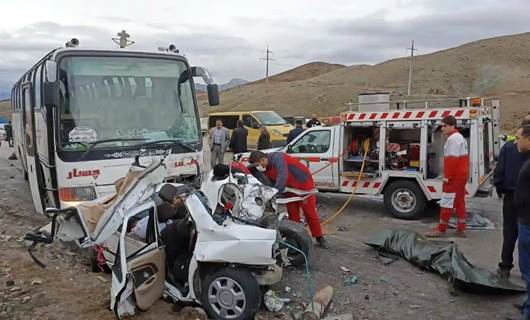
(124, 101)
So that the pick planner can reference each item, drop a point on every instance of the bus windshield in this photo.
(269, 118)
(125, 101)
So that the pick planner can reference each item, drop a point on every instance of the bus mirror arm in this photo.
(211, 87)
(50, 94)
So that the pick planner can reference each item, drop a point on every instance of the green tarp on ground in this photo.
(442, 257)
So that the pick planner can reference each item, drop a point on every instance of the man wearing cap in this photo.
(456, 167)
(286, 171)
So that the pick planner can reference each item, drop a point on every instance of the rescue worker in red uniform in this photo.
(456, 167)
(285, 171)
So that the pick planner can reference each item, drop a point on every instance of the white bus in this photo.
(81, 117)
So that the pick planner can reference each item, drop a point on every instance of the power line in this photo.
(267, 59)
(412, 49)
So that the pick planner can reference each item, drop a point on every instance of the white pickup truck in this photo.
(405, 153)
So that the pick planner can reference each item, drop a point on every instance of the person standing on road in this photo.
(238, 143)
(286, 171)
(313, 122)
(296, 131)
(456, 164)
(264, 140)
(8, 128)
(218, 140)
(522, 207)
(506, 172)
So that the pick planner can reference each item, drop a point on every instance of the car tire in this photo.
(404, 199)
(295, 235)
(230, 294)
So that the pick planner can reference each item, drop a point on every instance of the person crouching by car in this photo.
(286, 171)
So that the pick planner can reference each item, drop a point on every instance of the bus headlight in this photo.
(77, 194)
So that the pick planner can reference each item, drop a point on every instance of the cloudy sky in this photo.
(229, 37)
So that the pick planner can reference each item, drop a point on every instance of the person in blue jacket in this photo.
(506, 171)
(296, 131)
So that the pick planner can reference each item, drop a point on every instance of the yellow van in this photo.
(278, 128)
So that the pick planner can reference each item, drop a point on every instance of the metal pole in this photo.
(267, 66)
(410, 67)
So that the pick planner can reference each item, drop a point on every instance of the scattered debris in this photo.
(26, 299)
(35, 282)
(474, 221)
(288, 289)
(317, 307)
(10, 283)
(385, 279)
(415, 306)
(343, 228)
(15, 289)
(265, 315)
(273, 302)
(191, 313)
(100, 278)
(345, 316)
(351, 280)
(13, 156)
(344, 269)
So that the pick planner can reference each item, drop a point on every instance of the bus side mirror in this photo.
(211, 87)
(50, 94)
(213, 94)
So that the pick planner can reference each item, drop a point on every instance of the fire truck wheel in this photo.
(404, 199)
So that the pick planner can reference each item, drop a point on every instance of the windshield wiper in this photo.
(168, 141)
(91, 145)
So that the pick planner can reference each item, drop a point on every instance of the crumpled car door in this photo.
(142, 281)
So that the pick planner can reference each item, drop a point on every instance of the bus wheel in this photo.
(404, 199)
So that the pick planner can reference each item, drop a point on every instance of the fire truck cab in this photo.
(402, 151)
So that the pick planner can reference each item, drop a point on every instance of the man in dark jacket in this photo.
(506, 172)
(9, 133)
(238, 143)
(264, 140)
(296, 131)
(313, 122)
(522, 207)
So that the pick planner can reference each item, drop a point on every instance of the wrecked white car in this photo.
(218, 260)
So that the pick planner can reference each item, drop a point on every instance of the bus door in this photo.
(29, 144)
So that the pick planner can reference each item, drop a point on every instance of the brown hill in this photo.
(306, 71)
(5, 109)
(497, 67)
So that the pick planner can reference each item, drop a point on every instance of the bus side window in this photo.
(37, 87)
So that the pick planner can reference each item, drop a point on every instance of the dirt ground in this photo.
(67, 289)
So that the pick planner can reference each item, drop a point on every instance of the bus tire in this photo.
(404, 199)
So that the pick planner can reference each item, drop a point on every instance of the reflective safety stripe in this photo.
(447, 200)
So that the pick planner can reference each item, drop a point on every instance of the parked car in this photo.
(252, 120)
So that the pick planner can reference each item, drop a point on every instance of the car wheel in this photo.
(230, 294)
(404, 199)
(295, 235)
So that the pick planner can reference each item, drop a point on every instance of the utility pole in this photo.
(410, 66)
(267, 59)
